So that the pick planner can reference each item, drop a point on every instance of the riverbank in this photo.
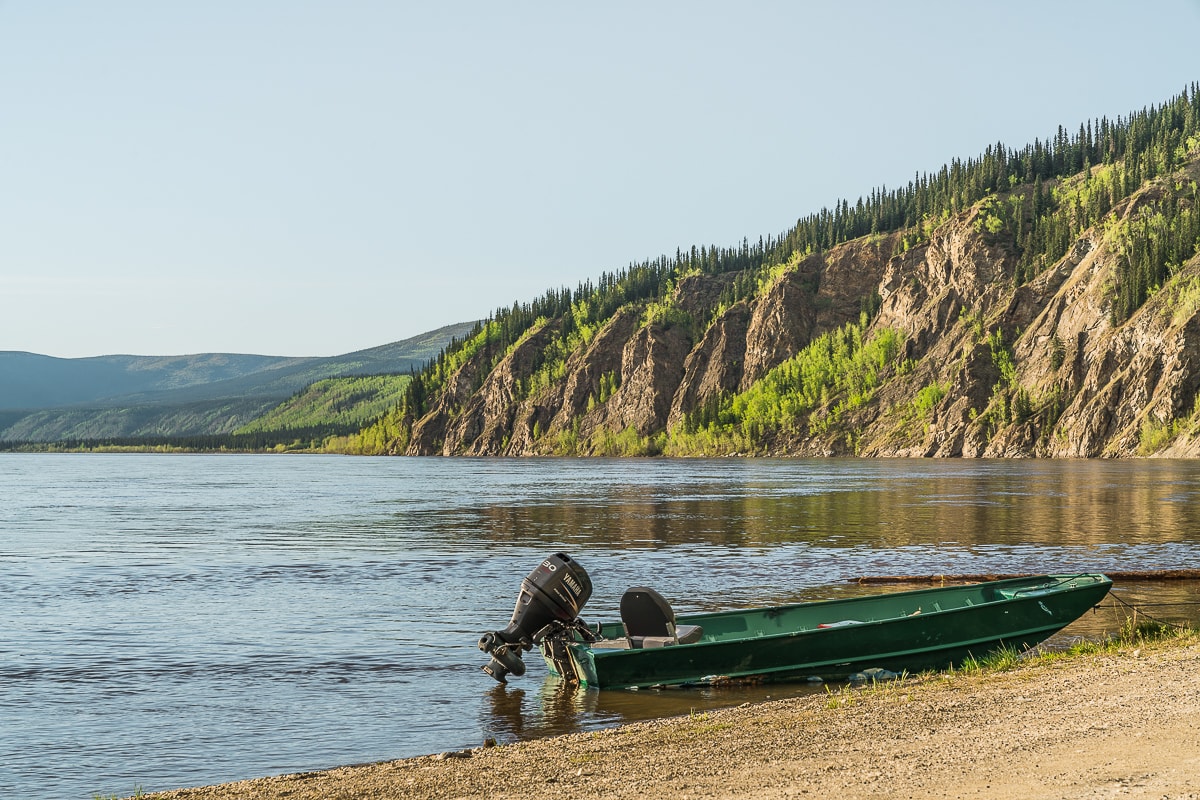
(1121, 721)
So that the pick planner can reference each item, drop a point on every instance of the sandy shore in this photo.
(1117, 724)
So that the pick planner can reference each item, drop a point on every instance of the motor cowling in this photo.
(555, 591)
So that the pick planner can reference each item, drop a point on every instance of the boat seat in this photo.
(650, 622)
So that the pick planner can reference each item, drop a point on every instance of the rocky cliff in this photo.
(994, 356)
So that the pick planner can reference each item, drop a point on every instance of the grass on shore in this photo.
(1134, 634)
(138, 794)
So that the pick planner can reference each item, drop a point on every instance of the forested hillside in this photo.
(1039, 300)
(334, 404)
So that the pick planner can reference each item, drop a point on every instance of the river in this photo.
(179, 620)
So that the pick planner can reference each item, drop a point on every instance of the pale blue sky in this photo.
(312, 178)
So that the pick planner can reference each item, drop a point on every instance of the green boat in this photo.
(927, 629)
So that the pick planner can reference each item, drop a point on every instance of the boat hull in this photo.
(929, 629)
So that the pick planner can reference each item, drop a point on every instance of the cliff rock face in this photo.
(651, 370)
(476, 412)
(781, 321)
(716, 365)
(992, 365)
(1089, 387)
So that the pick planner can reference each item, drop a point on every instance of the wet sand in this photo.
(1124, 723)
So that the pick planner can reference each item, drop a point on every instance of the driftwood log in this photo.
(1129, 575)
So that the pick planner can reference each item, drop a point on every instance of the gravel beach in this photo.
(1122, 723)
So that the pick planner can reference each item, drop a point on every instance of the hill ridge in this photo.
(48, 399)
(1028, 302)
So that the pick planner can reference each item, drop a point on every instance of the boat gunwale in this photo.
(1097, 579)
(839, 662)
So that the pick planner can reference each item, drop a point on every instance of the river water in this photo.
(184, 620)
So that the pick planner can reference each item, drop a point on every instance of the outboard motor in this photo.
(552, 595)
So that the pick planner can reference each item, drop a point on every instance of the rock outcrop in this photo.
(991, 365)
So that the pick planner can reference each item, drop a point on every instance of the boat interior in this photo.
(647, 619)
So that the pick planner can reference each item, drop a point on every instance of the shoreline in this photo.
(1118, 721)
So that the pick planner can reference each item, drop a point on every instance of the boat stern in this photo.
(570, 660)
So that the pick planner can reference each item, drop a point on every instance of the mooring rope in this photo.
(1136, 609)
(1181, 603)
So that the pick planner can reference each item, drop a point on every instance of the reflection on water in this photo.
(557, 707)
(186, 620)
(854, 503)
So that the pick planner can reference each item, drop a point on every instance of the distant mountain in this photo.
(43, 398)
(32, 381)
